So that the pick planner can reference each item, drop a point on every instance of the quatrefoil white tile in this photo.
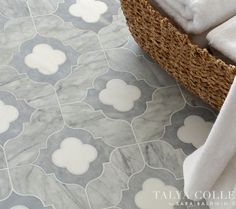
(195, 130)
(8, 114)
(120, 95)
(89, 10)
(147, 199)
(45, 59)
(74, 156)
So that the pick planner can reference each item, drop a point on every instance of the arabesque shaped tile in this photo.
(45, 60)
(106, 191)
(189, 128)
(16, 201)
(74, 88)
(151, 125)
(144, 185)
(37, 95)
(74, 156)
(14, 8)
(159, 154)
(43, 7)
(16, 31)
(114, 132)
(124, 60)
(25, 148)
(14, 114)
(53, 26)
(31, 180)
(78, 12)
(119, 95)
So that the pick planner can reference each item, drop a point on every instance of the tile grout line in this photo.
(32, 18)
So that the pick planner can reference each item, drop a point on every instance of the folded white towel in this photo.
(213, 166)
(197, 16)
(223, 38)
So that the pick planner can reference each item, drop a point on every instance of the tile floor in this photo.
(88, 121)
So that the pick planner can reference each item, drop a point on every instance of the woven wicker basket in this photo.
(193, 67)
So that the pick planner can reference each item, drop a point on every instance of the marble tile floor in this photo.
(88, 121)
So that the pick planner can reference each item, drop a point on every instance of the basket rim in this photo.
(231, 67)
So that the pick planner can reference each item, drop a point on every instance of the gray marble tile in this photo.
(64, 174)
(35, 94)
(15, 113)
(74, 87)
(6, 55)
(14, 8)
(137, 107)
(114, 133)
(150, 125)
(15, 201)
(25, 148)
(16, 32)
(127, 160)
(124, 60)
(45, 73)
(2, 159)
(138, 192)
(31, 180)
(54, 27)
(159, 154)
(102, 17)
(3, 20)
(5, 185)
(43, 7)
(116, 34)
(178, 120)
(106, 190)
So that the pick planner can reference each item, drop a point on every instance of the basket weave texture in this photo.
(195, 68)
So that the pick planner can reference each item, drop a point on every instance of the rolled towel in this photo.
(197, 16)
(223, 39)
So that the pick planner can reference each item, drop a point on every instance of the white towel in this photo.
(197, 16)
(213, 166)
(223, 38)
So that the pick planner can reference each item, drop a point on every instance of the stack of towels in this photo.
(199, 16)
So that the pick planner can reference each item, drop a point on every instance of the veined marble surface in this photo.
(88, 120)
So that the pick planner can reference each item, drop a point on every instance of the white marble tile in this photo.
(53, 26)
(75, 87)
(67, 156)
(106, 191)
(150, 126)
(30, 180)
(114, 132)
(160, 154)
(35, 94)
(14, 8)
(25, 148)
(43, 7)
